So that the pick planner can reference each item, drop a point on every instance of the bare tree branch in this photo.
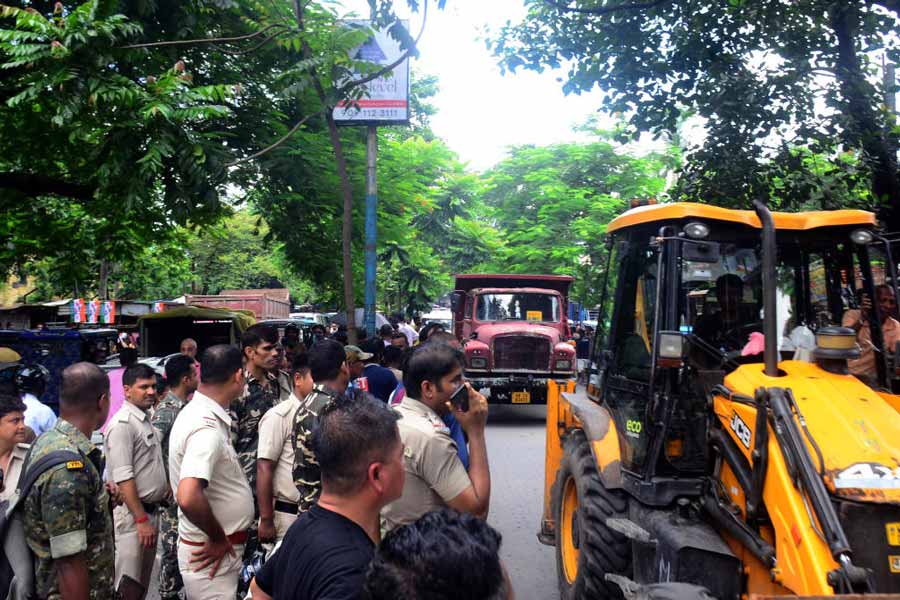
(603, 10)
(259, 45)
(39, 185)
(387, 69)
(276, 143)
(221, 40)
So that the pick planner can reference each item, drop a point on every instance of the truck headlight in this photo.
(563, 365)
(478, 363)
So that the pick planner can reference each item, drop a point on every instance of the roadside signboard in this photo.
(387, 97)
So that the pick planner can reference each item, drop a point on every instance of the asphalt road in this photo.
(515, 438)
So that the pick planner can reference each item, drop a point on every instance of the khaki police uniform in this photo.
(133, 452)
(434, 473)
(276, 444)
(200, 447)
(13, 471)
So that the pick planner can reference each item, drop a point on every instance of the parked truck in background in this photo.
(264, 304)
(515, 333)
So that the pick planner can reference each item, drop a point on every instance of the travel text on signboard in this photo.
(387, 97)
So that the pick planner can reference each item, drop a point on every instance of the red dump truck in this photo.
(515, 333)
(264, 304)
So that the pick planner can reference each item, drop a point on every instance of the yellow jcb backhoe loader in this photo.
(722, 447)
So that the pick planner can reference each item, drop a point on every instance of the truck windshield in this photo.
(518, 307)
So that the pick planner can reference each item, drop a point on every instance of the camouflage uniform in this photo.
(67, 513)
(169, 576)
(307, 476)
(246, 412)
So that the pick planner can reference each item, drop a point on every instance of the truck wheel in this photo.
(586, 549)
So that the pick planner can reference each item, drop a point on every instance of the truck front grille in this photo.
(522, 352)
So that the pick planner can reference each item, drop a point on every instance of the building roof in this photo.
(688, 210)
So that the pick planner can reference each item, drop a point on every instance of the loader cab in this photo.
(683, 307)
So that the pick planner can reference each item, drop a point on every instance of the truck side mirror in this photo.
(455, 299)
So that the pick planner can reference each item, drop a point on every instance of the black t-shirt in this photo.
(324, 556)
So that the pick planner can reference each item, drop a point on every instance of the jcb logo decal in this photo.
(741, 430)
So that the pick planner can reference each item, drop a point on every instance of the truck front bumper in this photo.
(515, 388)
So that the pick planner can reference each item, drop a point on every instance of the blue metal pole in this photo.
(371, 226)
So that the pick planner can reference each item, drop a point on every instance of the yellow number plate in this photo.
(521, 398)
(893, 533)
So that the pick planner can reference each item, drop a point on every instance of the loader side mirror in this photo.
(672, 349)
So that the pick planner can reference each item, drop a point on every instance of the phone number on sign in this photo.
(377, 113)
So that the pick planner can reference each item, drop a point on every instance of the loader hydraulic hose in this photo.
(757, 546)
(769, 259)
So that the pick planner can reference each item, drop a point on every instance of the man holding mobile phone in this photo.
(435, 476)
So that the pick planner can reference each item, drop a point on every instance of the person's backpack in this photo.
(16, 559)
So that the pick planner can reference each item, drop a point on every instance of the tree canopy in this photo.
(767, 77)
(552, 205)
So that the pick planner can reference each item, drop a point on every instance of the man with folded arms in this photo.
(215, 504)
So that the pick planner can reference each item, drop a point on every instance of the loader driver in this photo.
(723, 328)
(864, 366)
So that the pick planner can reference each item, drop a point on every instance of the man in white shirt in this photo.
(411, 334)
(215, 504)
(275, 489)
(31, 381)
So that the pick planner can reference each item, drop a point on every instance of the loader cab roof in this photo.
(799, 221)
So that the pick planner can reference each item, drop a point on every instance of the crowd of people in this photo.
(269, 470)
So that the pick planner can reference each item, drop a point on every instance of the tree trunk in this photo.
(346, 190)
(863, 129)
(347, 226)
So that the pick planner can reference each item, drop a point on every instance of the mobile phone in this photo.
(460, 398)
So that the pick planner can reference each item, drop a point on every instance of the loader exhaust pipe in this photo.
(769, 258)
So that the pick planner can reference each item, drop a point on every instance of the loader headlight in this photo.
(671, 344)
(862, 236)
(696, 230)
(478, 363)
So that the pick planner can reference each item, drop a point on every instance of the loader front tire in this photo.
(586, 549)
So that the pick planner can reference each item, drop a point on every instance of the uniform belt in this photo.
(237, 538)
(286, 507)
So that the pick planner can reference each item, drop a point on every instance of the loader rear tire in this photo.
(586, 549)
